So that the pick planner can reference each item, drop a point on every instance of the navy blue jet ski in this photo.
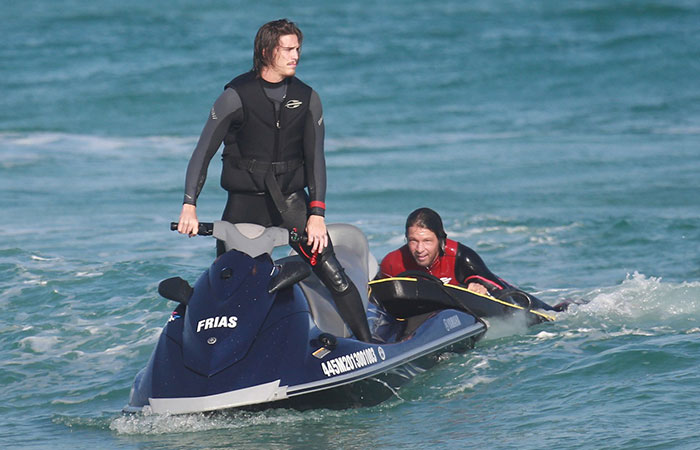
(256, 333)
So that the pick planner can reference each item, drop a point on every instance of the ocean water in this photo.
(561, 140)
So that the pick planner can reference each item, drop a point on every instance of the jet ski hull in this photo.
(351, 374)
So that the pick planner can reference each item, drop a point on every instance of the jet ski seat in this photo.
(351, 249)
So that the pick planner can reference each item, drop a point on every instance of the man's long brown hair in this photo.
(268, 38)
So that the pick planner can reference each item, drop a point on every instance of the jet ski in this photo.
(254, 332)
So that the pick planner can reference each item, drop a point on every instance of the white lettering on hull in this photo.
(217, 322)
(348, 363)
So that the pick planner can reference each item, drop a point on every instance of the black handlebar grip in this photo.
(205, 228)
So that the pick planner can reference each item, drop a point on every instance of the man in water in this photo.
(271, 124)
(428, 250)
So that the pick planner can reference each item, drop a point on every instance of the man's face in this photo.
(424, 245)
(284, 59)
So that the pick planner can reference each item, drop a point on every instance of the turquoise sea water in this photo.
(561, 140)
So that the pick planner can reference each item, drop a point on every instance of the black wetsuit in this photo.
(251, 200)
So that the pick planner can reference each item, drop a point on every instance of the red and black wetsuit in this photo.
(458, 265)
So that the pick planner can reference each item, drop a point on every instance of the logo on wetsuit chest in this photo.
(293, 104)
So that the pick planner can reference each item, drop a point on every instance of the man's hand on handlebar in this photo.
(188, 224)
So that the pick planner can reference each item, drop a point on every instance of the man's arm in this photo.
(315, 167)
(227, 109)
(314, 157)
(471, 270)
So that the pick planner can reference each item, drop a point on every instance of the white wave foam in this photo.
(418, 140)
(39, 344)
(641, 303)
(19, 146)
(472, 230)
(545, 335)
(470, 384)
(88, 274)
(41, 258)
(156, 424)
(396, 241)
(65, 401)
(93, 329)
(498, 327)
(118, 349)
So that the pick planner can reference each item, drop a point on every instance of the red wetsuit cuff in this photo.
(317, 204)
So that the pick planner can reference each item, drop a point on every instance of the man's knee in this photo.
(334, 276)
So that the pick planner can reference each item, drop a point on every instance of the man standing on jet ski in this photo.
(271, 124)
(428, 250)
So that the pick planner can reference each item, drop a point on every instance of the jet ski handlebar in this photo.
(205, 228)
(249, 238)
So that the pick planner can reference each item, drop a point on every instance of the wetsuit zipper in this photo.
(277, 114)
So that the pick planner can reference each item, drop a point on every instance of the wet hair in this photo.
(429, 219)
(268, 38)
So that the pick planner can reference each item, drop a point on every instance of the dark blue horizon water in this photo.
(559, 140)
